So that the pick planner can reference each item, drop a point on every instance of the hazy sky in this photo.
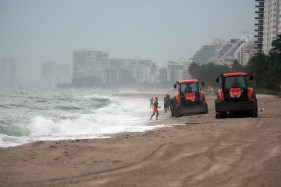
(37, 31)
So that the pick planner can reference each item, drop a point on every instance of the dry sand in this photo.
(197, 151)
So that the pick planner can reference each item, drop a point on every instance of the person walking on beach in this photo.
(155, 108)
(151, 102)
(166, 102)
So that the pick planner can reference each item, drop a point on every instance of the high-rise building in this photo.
(174, 71)
(271, 19)
(114, 69)
(204, 55)
(259, 26)
(218, 52)
(100, 64)
(226, 53)
(89, 67)
(268, 24)
(144, 71)
(129, 70)
(163, 77)
(185, 73)
(245, 51)
(8, 72)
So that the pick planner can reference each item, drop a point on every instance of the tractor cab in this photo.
(189, 91)
(235, 95)
(189, 99)
(234, 86)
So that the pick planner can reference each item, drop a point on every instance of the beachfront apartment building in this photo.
(144, 72)
(162, 73)
(185, 66)
(204, 54)
(114, 70)
(100, 60)
(271, 23)
(174, 71)
(224, 52)
(245, 51)
(95, 67)
(128, 70)
(89, 67)
(82, 64)
(268, 24)
(259, 26)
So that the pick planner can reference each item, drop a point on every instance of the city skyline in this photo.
(34, 32)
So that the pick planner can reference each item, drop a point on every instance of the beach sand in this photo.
(197, 150)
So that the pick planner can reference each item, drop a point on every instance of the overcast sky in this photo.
(37, 31)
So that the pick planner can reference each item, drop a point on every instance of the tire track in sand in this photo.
(158, 152)
(239, 159)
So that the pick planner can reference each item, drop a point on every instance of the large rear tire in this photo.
(176, 112)
(173, 107)
(254, 112)
(206, 108)
(221, 115)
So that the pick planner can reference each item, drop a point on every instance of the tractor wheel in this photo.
(206, 110)
(176, 112)
(254, 112)
(217, 116)
(172, 113)
(172, 107)
(221, 115)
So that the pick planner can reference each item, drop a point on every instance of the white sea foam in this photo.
(121, 115)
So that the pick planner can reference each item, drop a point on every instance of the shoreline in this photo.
(153, 122)
(197, 150)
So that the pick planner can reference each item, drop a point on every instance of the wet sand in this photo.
(197, 150)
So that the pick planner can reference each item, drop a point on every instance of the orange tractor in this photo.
(189, 99)
(235, 97)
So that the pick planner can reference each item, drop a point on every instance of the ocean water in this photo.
(29, 115)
